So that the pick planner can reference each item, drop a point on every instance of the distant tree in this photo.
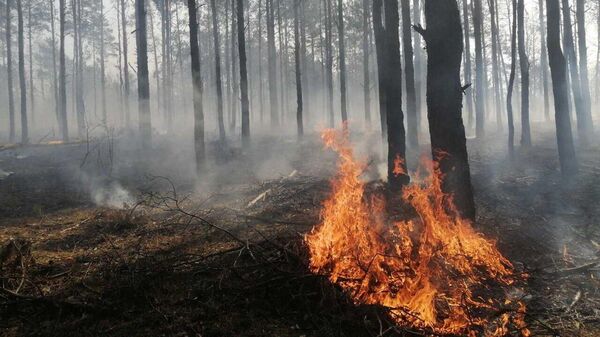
(272, 60)
(409, 77)
(62, 91)
(329, 60)
(558, 70)
(126, 87)
(479, 70)
(366, 70)
(342, 62)
(22, 83)
(583, 65)
(142, 74)
(511, 81)
(444, 40)
(495, 63)
(544, 60)
(468, 66)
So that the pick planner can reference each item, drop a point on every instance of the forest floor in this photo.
(97, 242)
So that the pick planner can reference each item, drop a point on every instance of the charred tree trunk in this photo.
(342, 62)
(444, 101)
(219, 85)
(142, 72)
(524, 66)
(584, 120)
(511, 81)
(126, 88)
(298, 71)
(544, 61)
(468, 66)
(479, 70)
(558, 71)
(366, 70)
(409, 77)
(272, 61)
(9, 76)
(22, 83)
(390, 71)
(199, 147)
(243, 73)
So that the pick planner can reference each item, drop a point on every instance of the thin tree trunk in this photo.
(219, 85)
(583, 66)
(468, 66)
(54, 70)
(234, 70)
(31, 87)
(495, 67)
(511, 81)
(199, 147)
(584, 122)
(524, 66)
(419, 65)
(145, 119)
(126, 88)
(558, 71)
(272, 63)
(9, 76)
(342, 62)
(366, 71)
(479, 71)
(102, 65)
(409, 77)
(22, 85)
(80, 103)
(299, 102)
(63, 126)
(329, 61)
(544, 61)
(243, 73)
(444, 101)
(261, 104)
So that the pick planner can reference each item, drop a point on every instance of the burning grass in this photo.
(434, 273)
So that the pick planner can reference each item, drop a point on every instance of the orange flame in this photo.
(433, 273)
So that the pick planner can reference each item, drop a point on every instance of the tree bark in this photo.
(22, 83)
(145, 119)
(479, 71)
(444, 101)
(409, 77)
(524, 66)
(9, 74)
(558, 71)
(243, 73)
(300, 126)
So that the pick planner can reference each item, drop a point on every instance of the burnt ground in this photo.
(98, 242)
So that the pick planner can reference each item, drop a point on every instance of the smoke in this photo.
(113, 195)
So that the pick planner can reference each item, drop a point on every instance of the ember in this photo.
(434, 273)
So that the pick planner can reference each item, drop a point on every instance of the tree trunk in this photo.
(199, 148)
(382, 73)
(409, 77)
(366, 71)
(444, 101)
(329, 61)
(261, 104)
(583, 66)
(342, 63)
(219, 85)
(272, 59)
(102, 65)
(9, 76)
(495, 67)
(419, 65)
(544, 61)
(79, 91)
(524, 66)
(234, 70)
(479, 71)
(22, 85)
(511, 81)
(243, 73)
(468, 66)
(584, 120)
(388, 44)
(31, 88)
(126, 87)
(63, 126)
(298, 71)
(558, 71)
(145, 119)
(54, 70)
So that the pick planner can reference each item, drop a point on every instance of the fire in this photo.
(435, 273)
